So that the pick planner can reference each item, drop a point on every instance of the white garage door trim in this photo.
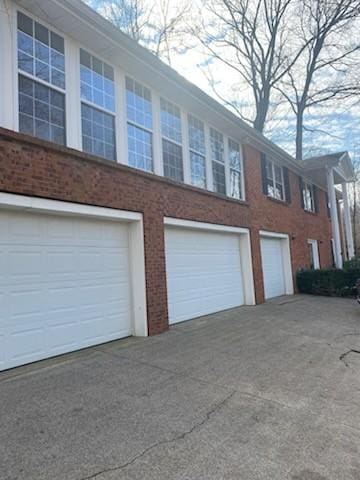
(286, 257)
(135, 221)
(245, 249)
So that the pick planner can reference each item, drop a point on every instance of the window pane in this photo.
(97, 81)
(279, 191)
(39, 115)
(270, 188)
(308, 196)
(40, 52)
(198, 175)
(170, 120)
(219, 178)
(235, 184)
(217, 145)
(98, 132)
(138, 103)
(196, 135)
(234, 155)
(269, 170)
(311, 255)
(172, 158)
(140, 148)
(25, 24)
(278, 175)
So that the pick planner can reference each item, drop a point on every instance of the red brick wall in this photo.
(32, 167)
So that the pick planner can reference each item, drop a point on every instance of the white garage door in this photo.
(203, 273)
(64, 285)
(273, 267)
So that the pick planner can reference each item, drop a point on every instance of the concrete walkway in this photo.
(269, 392)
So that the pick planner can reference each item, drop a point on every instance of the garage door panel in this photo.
(203, 273)
(65, 285)
(273, 267)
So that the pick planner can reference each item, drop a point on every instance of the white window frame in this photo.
(315, 253)
(224, 163)
(16, 71)
(241, 171)
(114, 114)
(194, 150)
(137, 125)
(171, 140)
(274, 182)
(308, 187)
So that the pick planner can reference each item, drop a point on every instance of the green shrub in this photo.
(331, 282)
(353, 264)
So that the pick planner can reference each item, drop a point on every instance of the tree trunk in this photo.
(299, 133)
(262, 109)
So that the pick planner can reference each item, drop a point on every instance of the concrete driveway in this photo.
(268, 392)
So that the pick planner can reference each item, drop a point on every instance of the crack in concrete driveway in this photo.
(177, 438)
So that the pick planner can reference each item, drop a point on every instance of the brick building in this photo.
(131, 200)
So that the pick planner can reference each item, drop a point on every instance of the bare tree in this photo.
(251, 37)
(155, 25)
(328, 67)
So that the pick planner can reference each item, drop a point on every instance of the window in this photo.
(275, 181)
(97, 106)
(41, 65)
(197, 151)
(172, 155)
(236, 170)
(172, 140)
(98, 132)
(218, 163)
(139, 127)
(314, 254)
(308, 197)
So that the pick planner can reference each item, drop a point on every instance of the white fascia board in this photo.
(266, 233)
(44, 205)
(215, 227)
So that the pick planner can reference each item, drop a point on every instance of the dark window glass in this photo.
(219, 178)
(172, 159)
(98, 132)
(57, 42)
(25, 24)
(41, 111)
(41, 33)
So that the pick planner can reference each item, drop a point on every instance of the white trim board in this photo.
(216, 227)
(136, 236)
(244, 245)
(10, 200)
